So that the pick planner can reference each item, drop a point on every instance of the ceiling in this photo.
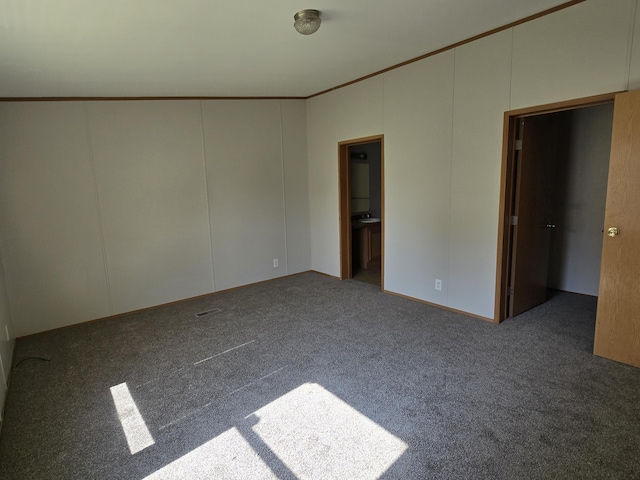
(216, 48)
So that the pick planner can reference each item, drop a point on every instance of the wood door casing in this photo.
(617, 334)
(344, 200)
(507, 187)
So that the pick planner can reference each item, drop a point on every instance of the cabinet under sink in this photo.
(368, 240)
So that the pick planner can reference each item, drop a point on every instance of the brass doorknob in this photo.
(613, 232)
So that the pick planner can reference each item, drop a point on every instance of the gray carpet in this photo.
(311, 377)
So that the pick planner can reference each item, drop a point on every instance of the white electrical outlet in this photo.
(438, 284)
(6, 330)
(275, 263)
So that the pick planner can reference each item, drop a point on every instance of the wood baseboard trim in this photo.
(325, 274)
(442, 307)
(197, 297)
(153, 307)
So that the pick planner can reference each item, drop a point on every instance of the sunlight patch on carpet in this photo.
(134, 427)
(227, 456)
(318, 435)
(307, 433)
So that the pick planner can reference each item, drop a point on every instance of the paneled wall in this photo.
(7, 340)
(245, 184)
(151, 189)
(49, 219)
(572, 53)
(112, 206)
(347, 113)
(480, 98)
(442, 119)
(634, 69)
(418, 110)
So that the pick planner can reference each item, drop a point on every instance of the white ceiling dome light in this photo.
(307, 21)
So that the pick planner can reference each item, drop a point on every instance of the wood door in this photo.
(533, 211)
(618, 316)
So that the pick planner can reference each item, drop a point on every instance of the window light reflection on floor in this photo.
(134, 426)
(306, 433)
(227, 456)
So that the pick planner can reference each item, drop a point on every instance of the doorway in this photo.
(617, 324)
(547, 211)
(361, 199)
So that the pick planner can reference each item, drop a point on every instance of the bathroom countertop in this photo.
(358, 224)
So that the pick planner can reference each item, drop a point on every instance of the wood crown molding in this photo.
(108, 99)
(454, 45)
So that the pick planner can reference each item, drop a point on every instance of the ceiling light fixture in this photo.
(307, 21)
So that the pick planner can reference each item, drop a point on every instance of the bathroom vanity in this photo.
(367, 238)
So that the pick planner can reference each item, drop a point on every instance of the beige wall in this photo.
(634, 69)
(345, 113)
(49, 220)
(111, 206)
(151, 190)
(572, 53)
(108, 207)
(475, 169)
(442, 119)
(418, 113)
(7, 340)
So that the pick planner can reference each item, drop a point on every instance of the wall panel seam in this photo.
(284, 190)
(632, 27)
(511, 68)
(308, 114)
(308, 160)
(206, 190)
(451, 160)
(97, 204)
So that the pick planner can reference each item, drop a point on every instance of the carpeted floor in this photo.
(311, 377)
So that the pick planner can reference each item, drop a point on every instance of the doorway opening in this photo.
(361, 199)
(552, 202)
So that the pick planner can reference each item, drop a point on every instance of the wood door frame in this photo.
(344, 201)
(507, 187)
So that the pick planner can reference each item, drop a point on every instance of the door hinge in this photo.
(514, 220)
(510, 291)
(518, 145)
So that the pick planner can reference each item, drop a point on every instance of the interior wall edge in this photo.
(324, 274)
(295, 168)
(8, 345)
(3, 281)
